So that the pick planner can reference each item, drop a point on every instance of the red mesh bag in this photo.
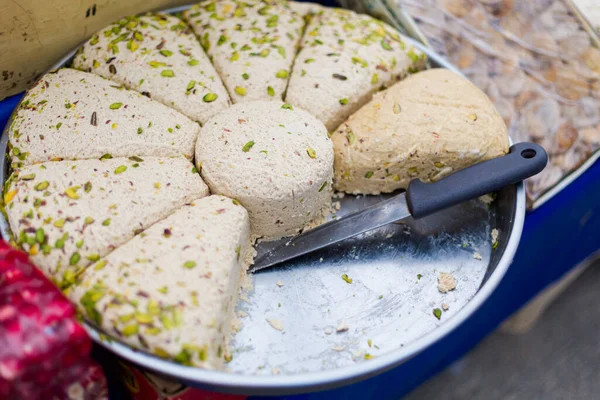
(43, 350)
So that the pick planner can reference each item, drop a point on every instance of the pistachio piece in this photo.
(115, 106)
(120, 169)
(130, 330)
(351, 137)
(143, 318)
(100, 265)
(74, 259)
(167, 73)
(209, 97)
(246, 148)
(71, 192)
(93, 257)
(40, 235)
(311, 152)
(42, 186)
(240, 90)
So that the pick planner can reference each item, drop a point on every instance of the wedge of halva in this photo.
(305, 8)
(71, 114)
(425, 127)
(345, 57)
(68, 214)
(158, 56)
(251, 43)
(273, 158)
(172, 289)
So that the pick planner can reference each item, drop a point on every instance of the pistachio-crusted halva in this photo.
(157, 55)
(306, 8)
(68, 214)
(427, 126)
(345, 57)
(172, 290)
(274, 158)
(71, 114)
(252, 44)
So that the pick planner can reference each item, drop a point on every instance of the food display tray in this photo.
(387, 308)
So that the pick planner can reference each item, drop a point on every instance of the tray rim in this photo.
(312, 381)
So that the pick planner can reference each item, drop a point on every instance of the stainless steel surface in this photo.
(314, 299)
(375, 216)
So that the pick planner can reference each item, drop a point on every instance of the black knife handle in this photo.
(523, 161)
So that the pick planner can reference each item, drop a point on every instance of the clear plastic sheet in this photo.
(535, 61)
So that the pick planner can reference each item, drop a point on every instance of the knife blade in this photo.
(420, 199)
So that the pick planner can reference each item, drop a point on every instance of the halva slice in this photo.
(71, 114)
(157, 55)
(344, 58)
(68, 214)
(251, 43)
(274, 158)
(426, 126)
(306, 8)
(172, 290)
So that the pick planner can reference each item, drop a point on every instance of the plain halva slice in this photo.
(251, 43)
(275, 159)
(68, 214)
(426, 126)
(172, 290)
(71, 114)
(158, 56)
(345, 57)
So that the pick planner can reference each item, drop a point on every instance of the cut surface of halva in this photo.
(68, 214)
(275, 159)
(345, 57)
(71, 115)
(172, 289)
(426, 126)
(251, 43)
(157, 55)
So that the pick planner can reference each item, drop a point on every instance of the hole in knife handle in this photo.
(528, 153)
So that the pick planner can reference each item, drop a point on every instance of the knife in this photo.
(419, 200)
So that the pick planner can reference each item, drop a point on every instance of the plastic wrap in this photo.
(44, 352)
(535, 61)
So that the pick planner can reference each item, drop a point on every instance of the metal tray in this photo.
(388, 307)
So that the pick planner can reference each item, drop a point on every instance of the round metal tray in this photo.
(388, 307)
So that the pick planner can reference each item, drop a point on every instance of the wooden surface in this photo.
(34, 34)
